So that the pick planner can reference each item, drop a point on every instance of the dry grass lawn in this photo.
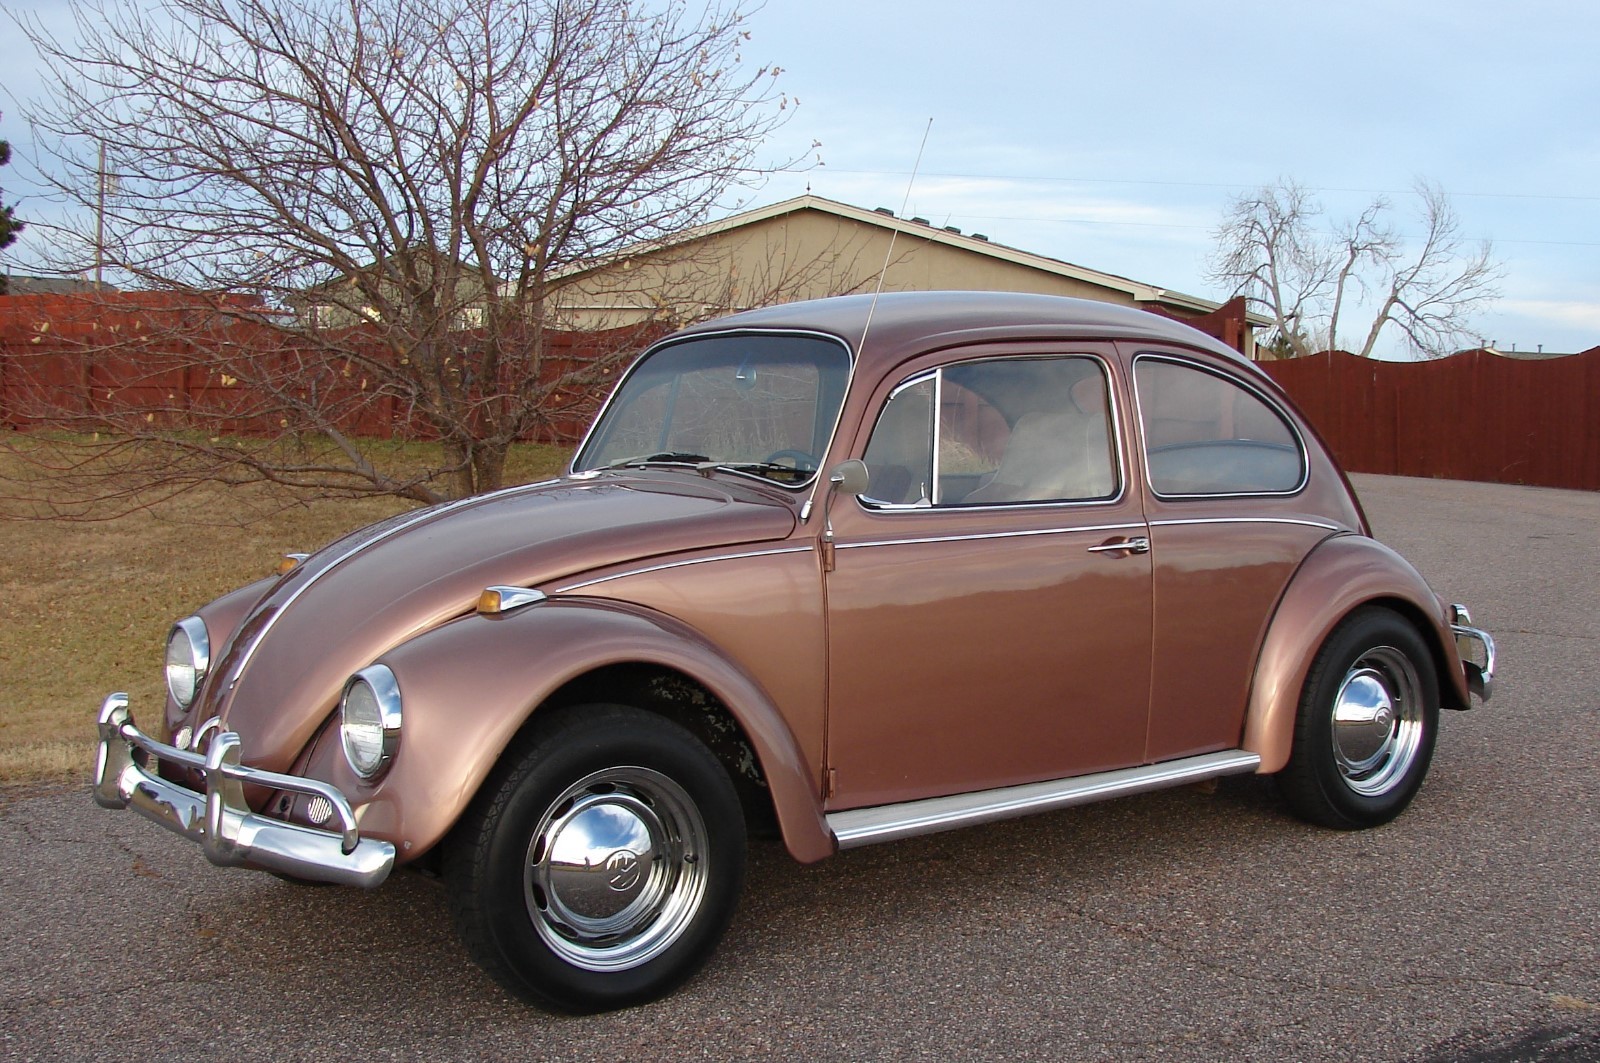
(85, 605)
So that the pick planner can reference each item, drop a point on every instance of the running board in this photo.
(885, 823)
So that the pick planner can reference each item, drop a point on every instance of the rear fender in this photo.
(468, 688)
(1341, 574)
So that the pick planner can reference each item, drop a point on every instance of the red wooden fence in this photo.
(1472, 416)
(74, 361)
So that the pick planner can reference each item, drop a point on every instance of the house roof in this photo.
(24, 285)
(905, 321)
(1139, 291)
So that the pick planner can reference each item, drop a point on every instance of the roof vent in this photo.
(883, 210)
(980, 236)
(922, 221)
(952, 229)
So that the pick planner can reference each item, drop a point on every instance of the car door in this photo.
(1231, 521)
(989, 602)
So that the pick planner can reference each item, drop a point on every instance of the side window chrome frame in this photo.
(878, 505)
(1250, 388)
(1114, 427)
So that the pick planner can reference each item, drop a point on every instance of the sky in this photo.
(1113, 135)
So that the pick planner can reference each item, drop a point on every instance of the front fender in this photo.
(1342, 573)
(470, 685)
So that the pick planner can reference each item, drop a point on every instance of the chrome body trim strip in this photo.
(866, 826)
(570, 587)
(1094, 529)
(1247, 520)
(219, 819)
(423, 515)
(926, 506)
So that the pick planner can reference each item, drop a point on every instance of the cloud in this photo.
(1571, 313)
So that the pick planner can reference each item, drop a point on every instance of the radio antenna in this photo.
(889, 254)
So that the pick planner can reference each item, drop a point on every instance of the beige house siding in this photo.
(809, 248)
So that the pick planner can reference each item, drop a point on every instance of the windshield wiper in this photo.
(771, 470)
(704, 465)
(665, 457)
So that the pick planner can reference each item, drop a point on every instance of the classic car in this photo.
(848, 571)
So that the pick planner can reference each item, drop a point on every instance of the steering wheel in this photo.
(803, 462)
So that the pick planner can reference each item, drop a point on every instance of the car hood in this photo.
(281, 673)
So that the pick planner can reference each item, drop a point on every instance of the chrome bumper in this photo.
(219, 819)
(1474, 643)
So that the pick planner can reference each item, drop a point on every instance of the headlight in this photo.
(188, 657)
(369, 720)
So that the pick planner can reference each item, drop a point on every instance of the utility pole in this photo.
(100, 218)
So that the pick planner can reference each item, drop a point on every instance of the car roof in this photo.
(901, 323)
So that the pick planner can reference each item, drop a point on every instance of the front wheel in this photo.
(600, 868)
(1367, 720)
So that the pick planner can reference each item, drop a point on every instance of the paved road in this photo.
(1183, 925)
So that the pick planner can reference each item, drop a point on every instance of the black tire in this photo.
(1367, 720)
(600, 865)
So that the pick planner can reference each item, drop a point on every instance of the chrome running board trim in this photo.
(883, 823)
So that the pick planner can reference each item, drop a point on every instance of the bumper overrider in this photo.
(219, 819)
(1476, 648)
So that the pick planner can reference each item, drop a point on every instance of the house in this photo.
(360, 297)
(809, 247)
(24, 285)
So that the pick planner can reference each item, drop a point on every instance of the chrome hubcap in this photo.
(616, 869)
(1377, 721)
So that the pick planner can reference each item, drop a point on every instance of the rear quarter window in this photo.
(1207, 435)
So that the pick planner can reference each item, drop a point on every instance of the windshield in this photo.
(762, 404)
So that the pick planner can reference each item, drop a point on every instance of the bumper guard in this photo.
(219, 819)
(1480, 676)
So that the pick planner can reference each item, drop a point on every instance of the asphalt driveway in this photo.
(1183, 925)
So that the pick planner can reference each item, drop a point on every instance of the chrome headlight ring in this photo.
(369, 720)
(188, 659)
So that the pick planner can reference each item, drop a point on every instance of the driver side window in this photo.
(1008, 430)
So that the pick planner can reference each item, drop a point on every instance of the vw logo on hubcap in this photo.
(622, 870)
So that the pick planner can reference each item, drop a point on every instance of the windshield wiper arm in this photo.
(795, 472)
(666, 457)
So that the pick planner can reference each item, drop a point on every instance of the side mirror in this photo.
(849, 477)
(846, 478)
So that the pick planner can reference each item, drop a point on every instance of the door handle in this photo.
(1137, 545)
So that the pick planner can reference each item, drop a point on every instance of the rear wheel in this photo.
(600, 868)
(1367, 720)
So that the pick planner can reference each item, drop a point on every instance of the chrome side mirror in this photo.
(849, 477)
(846, 478)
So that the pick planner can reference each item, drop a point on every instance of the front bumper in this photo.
(219, 819)
(1472, 644)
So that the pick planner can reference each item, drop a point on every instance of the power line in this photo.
(1207, 228)
(1209, 184)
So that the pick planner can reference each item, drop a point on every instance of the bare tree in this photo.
(1312, 282)
(349, 209)
(9, 225)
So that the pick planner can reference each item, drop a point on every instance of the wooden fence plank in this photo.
(1472, 416)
